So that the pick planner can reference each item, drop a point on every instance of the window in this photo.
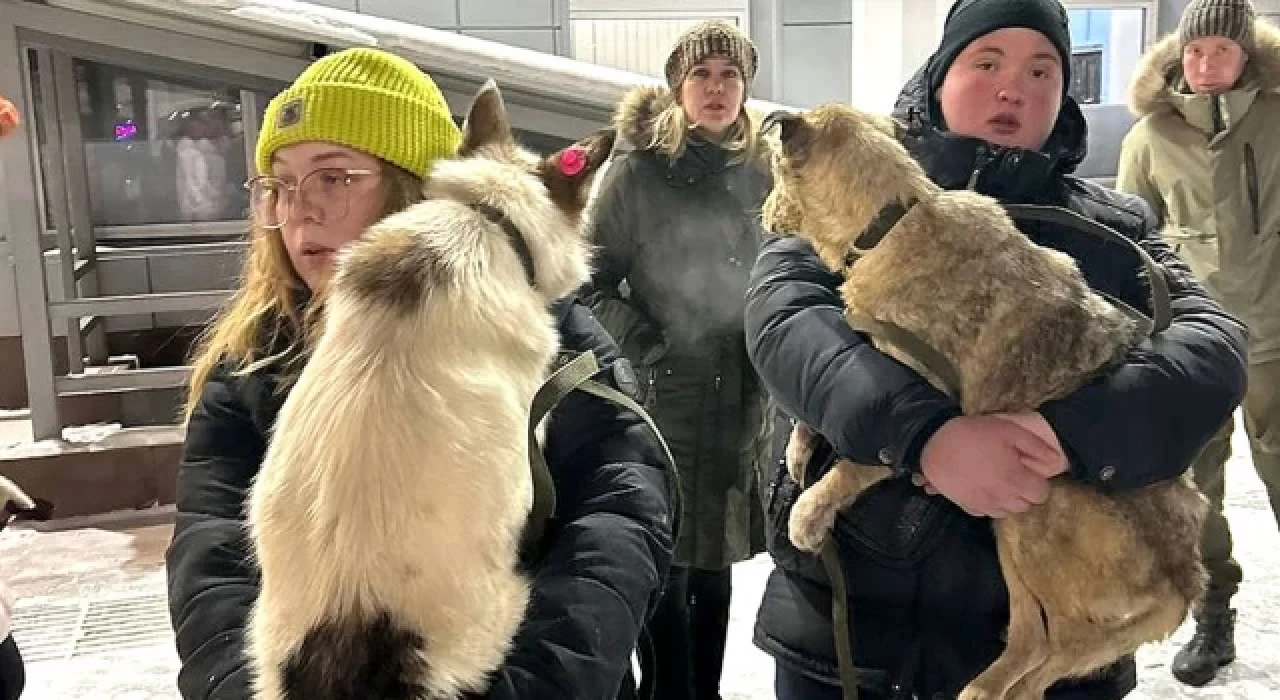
(1106, 43)
(159, 150)
(638, 40)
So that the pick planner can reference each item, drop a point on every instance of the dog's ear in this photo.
(568, 173)
(891, 126)
(900, 130)
(794, 132)
(486, 121)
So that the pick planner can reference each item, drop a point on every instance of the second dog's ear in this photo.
(900, 130)
(794, 131)
(568, 173)
(487, 122)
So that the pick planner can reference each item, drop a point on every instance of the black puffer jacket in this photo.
(603, 559)
(927, 599)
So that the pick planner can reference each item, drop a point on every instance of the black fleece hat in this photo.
(971, 19)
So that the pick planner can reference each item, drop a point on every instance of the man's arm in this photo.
(612, 228)
(873, 409)
(1148, 419)
(1134, 171)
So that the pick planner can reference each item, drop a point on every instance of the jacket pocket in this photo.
(893, 523)
(639, 339)
(896, 524)
(1251, 188)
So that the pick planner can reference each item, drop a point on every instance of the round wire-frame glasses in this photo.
(326, 190)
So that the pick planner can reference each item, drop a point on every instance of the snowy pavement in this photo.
(93, 622)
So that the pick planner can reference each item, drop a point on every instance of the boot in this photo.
(1212, 647)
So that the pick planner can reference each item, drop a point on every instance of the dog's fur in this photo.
(1091, 577)
(388, 513)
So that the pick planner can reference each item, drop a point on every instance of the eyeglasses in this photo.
(326, 190)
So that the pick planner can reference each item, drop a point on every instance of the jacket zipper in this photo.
(651, 394)
(980, 161)
(1251, 186)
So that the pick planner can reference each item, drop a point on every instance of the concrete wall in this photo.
(814, 40)
(805, 50)
(1268, 8)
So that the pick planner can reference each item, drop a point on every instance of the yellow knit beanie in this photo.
(366, 99)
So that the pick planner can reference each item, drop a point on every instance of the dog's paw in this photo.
(810, 522)
(797, 460)
(972, 693)
(979, 689)
(799, 450)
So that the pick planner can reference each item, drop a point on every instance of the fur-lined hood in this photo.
(633, 117)
(1158, 76)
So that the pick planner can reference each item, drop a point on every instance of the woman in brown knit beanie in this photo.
(676, 218)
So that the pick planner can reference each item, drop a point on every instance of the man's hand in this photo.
(993, 465)
(1036, 424)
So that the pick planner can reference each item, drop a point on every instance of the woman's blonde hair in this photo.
(671, 129)
(266, 322)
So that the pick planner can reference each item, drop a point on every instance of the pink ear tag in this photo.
(573, 160)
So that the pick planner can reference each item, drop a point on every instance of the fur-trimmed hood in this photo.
(1158, 76)
(633, 117)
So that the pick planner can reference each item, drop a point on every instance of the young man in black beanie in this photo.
(1207, 98)
(926, 599)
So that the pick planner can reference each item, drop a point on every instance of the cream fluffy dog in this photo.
(388, 514)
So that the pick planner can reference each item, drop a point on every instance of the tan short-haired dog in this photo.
(1091, 577)
(389, 510)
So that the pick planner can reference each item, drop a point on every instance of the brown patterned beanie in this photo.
(713, 37)
(1232, 19)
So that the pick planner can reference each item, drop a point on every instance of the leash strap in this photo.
(1161, 301)
(575, 374)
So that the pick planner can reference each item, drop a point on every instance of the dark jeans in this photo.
(683, 645)
(12, 675)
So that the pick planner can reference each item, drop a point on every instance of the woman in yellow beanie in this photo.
(348, 143)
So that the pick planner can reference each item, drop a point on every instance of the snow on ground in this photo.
(93, 621)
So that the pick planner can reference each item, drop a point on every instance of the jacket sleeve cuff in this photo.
(909, 461)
